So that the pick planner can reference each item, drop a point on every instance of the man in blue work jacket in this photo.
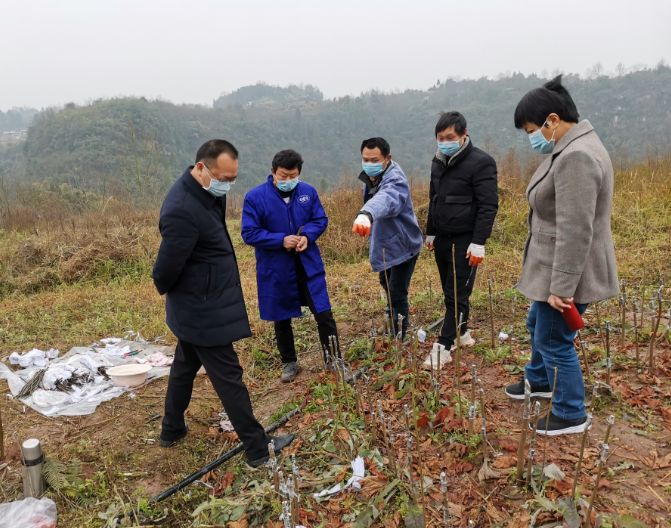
(283, 218)
(388, 217)
(197, 271)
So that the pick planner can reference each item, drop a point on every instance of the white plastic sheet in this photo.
(28, 513)
(84, 399)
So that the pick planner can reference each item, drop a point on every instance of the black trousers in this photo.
(465, 280)
(326, 325)
(224, 370)
(396, 281)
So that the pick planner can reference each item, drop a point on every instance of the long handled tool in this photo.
(216, 463)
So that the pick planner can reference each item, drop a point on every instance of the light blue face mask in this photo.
(539, 143)
(217, 188)
(287, 185)
(449, 148)
(372, 169)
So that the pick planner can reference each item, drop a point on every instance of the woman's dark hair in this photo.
(448, 119)
(539, 103)
(376, 142)
(212, 149)
(288, 159)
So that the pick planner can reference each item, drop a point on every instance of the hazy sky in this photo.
(56, 51)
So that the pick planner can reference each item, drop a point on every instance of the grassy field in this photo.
(68, 279)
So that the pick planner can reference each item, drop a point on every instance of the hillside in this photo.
(138, 147)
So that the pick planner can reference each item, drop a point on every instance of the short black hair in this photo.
(288, 159)
(376, 142)
(539, 103)
(448, 119)
(212, 149)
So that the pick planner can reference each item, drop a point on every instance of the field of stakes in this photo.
(70, 279)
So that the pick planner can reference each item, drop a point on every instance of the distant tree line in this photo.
(137, 148)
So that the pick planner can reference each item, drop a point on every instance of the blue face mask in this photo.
(217, 188)
(287, 185)
(449, 148)
(372, 169)
(539, 143)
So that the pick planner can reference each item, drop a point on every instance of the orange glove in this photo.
(475, 254)
(361, 225)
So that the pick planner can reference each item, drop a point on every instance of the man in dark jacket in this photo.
(283, 218)
(463, 203)
(197, 270)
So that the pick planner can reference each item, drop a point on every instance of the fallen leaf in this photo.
(442, 415)
(505, 461)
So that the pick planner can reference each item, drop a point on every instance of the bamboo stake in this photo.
(2, 436)
(583, 443)
(655, 328)
(609, 361)
(524, 427)
(531, 455)
(602, 464)
(274, 465)
(471, 408)
(457, 368)
(584, 357)
(446, 502)
(457, 325)
(623, 312)
(491, 314)
(547, 421)
(636, 347)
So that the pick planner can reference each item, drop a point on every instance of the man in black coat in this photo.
(197, 270)
(463, 203)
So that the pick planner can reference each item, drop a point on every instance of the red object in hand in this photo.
(573, 318)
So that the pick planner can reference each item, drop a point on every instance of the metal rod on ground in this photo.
(491, 314)
(216, 463)
(524, 426)
(457, 325)
(583, 443)
(602, 464)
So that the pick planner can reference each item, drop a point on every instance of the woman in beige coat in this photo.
(569, 255)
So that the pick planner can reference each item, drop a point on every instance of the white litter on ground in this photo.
(90, 388)
(33, 358)
(354, 482)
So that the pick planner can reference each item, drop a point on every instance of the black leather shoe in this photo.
(172, 441)
(556, 426)
(280, 443)
(516, 391)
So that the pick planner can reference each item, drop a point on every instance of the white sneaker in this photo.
(466, 340)
(437, 351)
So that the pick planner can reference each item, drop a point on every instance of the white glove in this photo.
(429, 242)
(475, 254)
(361, 225)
